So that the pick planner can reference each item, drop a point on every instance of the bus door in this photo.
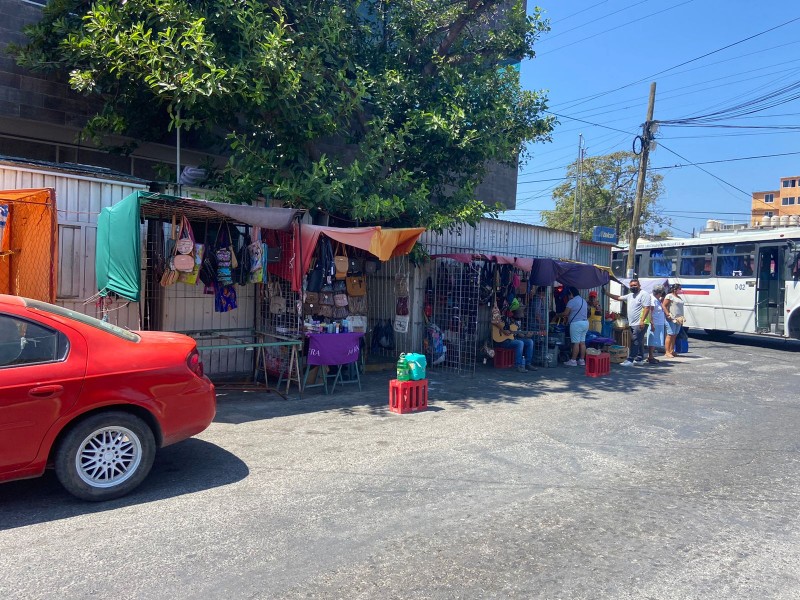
(770, 290)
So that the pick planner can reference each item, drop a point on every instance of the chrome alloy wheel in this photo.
(108, 456)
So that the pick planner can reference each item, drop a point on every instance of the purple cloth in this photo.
(582, 276)
(333, 348)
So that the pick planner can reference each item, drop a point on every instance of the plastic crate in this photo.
(598, 365)
(408, 396)
(503, 358)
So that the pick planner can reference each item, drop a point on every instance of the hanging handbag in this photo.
(223, 255)
(225, 298)
(358, 305)
(326, 296)
(355, 265)
(340, 300)
(185, 243)
(356, 285)
(401, 285)
(190, 278)
(401, 307)
(371, 266)
(341, 262)
(170, 275)
(273, 250)
(401, 323)
(256, 250)
(273, 287)
(339, 286)
(277, 305)
(311, 303)
(325, 311)
(184, 248)
(340, 312)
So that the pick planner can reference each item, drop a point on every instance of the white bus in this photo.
(745, 281)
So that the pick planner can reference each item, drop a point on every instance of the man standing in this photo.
(638, 303)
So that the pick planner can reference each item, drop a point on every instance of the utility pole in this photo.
(576, 200)
(647, 137)
(580, 200)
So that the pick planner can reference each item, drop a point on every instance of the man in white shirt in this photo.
(639, 306)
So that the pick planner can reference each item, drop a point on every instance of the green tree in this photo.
(380, 111)
(607, 193)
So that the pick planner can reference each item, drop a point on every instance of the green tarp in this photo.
(118, 252)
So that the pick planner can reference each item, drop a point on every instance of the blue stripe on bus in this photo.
(698, 287)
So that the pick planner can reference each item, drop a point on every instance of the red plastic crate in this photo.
(598, 365)
(503, 358)
(408, 396)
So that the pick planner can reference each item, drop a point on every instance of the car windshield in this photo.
(81, 318)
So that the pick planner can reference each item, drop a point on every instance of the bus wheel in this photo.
(718, 333)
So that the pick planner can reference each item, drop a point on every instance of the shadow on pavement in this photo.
(184, 468)
(446, 391)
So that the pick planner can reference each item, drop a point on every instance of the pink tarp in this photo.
(381, 243)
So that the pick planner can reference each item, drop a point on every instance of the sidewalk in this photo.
(488, 385)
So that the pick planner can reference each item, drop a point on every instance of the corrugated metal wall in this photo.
(80, 200)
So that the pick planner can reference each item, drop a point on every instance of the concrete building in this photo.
(779, 206)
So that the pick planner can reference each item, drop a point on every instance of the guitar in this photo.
(499, 334)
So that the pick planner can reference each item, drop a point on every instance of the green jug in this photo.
(403, 370)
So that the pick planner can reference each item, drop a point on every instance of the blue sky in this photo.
(597, 46)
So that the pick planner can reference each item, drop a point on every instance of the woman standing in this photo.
(673, 310)
(576, 313)
(655, 331)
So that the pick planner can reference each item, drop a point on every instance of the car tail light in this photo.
(195, 363)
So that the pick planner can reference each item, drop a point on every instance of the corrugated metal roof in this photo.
(72, 168)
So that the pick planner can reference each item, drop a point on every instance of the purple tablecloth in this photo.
(333, 348)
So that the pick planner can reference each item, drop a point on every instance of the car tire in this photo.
(105, 456)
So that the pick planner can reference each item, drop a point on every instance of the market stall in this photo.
(466, 291)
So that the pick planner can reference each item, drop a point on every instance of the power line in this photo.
(585, 99)
(575, 14)
(706, 171)
(615, 28)
(606, 16)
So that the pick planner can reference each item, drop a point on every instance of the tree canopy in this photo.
(378, 112)
(607, 193)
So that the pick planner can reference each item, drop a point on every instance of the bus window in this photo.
(619, 265)
(663, 263)
(735, 260)
(696, 261)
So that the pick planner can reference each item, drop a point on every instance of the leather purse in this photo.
(356, 285)
(341, 262)
(340, 300)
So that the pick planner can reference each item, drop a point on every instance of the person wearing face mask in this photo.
(639, 306)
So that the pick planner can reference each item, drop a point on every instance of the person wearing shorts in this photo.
(576, 313)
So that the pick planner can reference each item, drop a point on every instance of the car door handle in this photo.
(46, 391)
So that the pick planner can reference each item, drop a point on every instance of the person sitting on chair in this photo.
(503, 335)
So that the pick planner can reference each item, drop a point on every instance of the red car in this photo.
(91, 399)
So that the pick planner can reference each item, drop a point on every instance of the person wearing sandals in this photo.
(656, 329)
(576, 313)
(673, 311)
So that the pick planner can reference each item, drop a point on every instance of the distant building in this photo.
(775, 204)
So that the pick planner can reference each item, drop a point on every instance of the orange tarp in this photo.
(381, 243)
(29, 244)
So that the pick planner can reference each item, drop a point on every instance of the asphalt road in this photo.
(671, 481)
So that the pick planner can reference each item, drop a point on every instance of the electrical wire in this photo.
(585, 99)
(606, 16)
(706, 171)
(614, 28)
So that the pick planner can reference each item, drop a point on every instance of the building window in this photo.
(787, 201)
(769, 197)
(768, 213)
(789, 182)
